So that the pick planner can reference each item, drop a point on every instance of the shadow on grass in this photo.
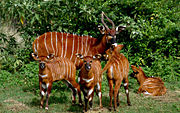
(75, 108)
(52, 100)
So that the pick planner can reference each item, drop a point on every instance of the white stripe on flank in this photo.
(86, 47)
(89, 45)
(88, 80)
(52, 44)
(56, 45)
(67, 72)
(35, 48)
(64, 66)
(77, 52)
(45, 44)
(69, 66)
(66, 45)
(72, 53)
(111, 70)
(82, 45)
(62, 44)
(37, 45)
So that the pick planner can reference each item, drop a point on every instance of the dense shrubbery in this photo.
(151, 37)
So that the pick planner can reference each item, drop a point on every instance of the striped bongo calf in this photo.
(89, 77)
(117, 71)
(54, 69)
(148, 85)
(67, 45)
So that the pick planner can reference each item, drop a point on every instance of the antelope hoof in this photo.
(41, 106)
(118, 104)
(110, 108)
(129, 104)
(46, 108)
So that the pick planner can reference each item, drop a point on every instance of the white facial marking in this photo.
(88, 80)
(43, 75)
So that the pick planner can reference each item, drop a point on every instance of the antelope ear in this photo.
(35, 57)
(119, 29)
(50, 56)
(140, 68)
(98, 56)
(101, 29)
(79, 56)
(134, 68)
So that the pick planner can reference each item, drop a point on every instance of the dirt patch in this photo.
(15, 106)
(170, 96)
(97, 110)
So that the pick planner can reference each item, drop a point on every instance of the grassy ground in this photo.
(18, 97)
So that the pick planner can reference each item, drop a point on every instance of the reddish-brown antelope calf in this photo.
(54, 69)
(148, 85)
(89, 77)
(117, 71)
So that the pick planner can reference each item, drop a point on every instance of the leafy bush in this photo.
(151, 37)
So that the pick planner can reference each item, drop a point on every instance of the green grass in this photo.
(19, 97)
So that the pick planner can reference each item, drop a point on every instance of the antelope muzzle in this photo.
(42, 65)
(87, 66)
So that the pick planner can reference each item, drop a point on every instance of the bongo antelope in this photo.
(55, 69)
(90, 78)
(117, 71)
(148, 85)
(66, 45)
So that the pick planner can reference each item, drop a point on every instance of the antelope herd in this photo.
(61, 54)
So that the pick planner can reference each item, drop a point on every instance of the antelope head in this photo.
(88, 60)
(43, 60)
(110, 34)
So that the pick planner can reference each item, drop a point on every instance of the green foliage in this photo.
(151, 37)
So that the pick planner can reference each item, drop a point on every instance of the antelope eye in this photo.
(136, 72)
(90, 61)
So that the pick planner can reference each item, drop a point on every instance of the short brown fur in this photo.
(117, 71)
(148, 85)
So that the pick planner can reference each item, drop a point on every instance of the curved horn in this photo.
(113, 25)
(102, 19)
